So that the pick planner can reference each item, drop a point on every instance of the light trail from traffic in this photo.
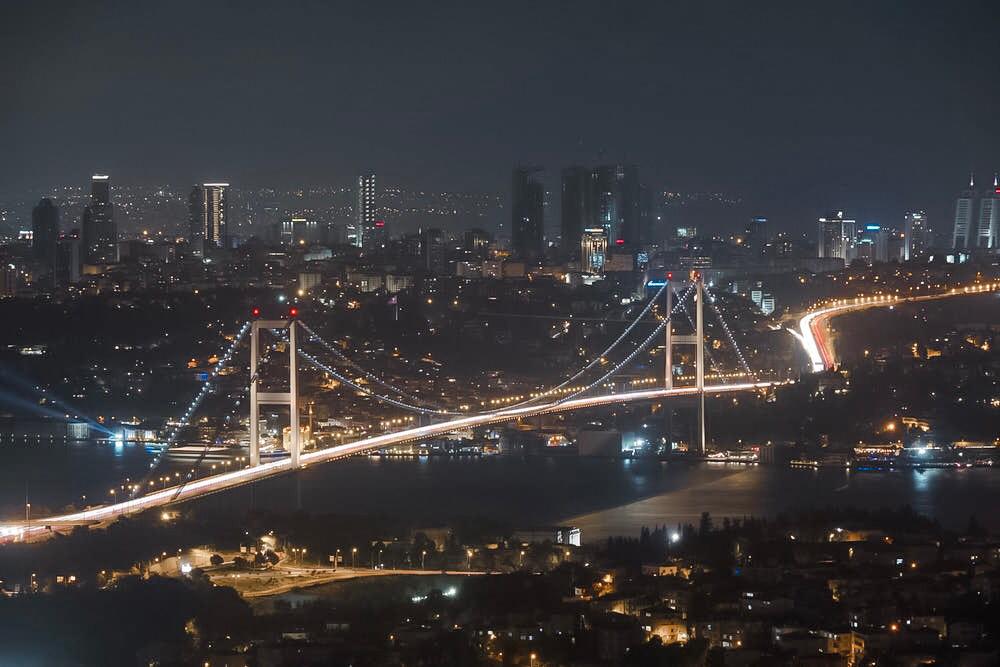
(229, 480)
(812, 332)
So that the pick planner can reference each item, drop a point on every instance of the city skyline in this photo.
(606, 333)
(726, 216)
(756, 109)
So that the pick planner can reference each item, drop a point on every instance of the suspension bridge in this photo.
(571, 394)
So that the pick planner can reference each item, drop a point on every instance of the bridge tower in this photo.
(289, 398)
(698, 340)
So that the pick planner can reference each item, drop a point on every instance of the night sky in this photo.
(875, 107)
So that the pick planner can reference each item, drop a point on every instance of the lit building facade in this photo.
(208, 214)
(365, 211)
(989, 217)
(593, 250)
(837, 237)
(965, 206)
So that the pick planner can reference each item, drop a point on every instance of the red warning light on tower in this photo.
(255, 311)
(293, 312)
(670, 275)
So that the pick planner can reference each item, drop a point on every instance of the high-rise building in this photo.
(365, 210)
(476, 240)
(838, 237)
(965, 211)
(755, 236)
(432, 250)
(45, 232)
(873, 244)
(100, 235)
(593, 250)
(616, 191)
(577, 209)
(8, 280)
(648, 232)
(527, 213)
(607, 196)
(208, 214)
(916, 235)
(68, 258)
(989, 217)
(301, 230)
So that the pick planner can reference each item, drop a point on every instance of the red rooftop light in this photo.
(255, 311)
(293, 312)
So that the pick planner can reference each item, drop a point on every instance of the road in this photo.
(813, 327)
(38, 527)
(265, 583)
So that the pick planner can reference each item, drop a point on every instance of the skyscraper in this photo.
(873, 244)
(916, 235)
(208, 214)
(527, 213)
(365, 210)
(965, 206)
(616, 191)
(607, 196)
(755, 236)
(989, 217)
(837, 237)
(45, 232)
(100, 235)
(577, 209)
(432, 250)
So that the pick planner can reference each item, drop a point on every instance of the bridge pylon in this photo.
(698, 340)
(289, 398)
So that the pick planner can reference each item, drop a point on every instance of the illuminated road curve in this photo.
(813, 326)
(233, 479)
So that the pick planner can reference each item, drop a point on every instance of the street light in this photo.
(469, 553)
(423, 555)
(532, 657)
(354, 558)
(522, 559)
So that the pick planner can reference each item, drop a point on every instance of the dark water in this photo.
(601, 496)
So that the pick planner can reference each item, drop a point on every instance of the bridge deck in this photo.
(229, 480)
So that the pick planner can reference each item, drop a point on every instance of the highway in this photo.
(229, 480)
(813, 333)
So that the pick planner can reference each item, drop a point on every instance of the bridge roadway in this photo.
(202, 487)
(813, 326)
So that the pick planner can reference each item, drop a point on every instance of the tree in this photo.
(705, 525)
